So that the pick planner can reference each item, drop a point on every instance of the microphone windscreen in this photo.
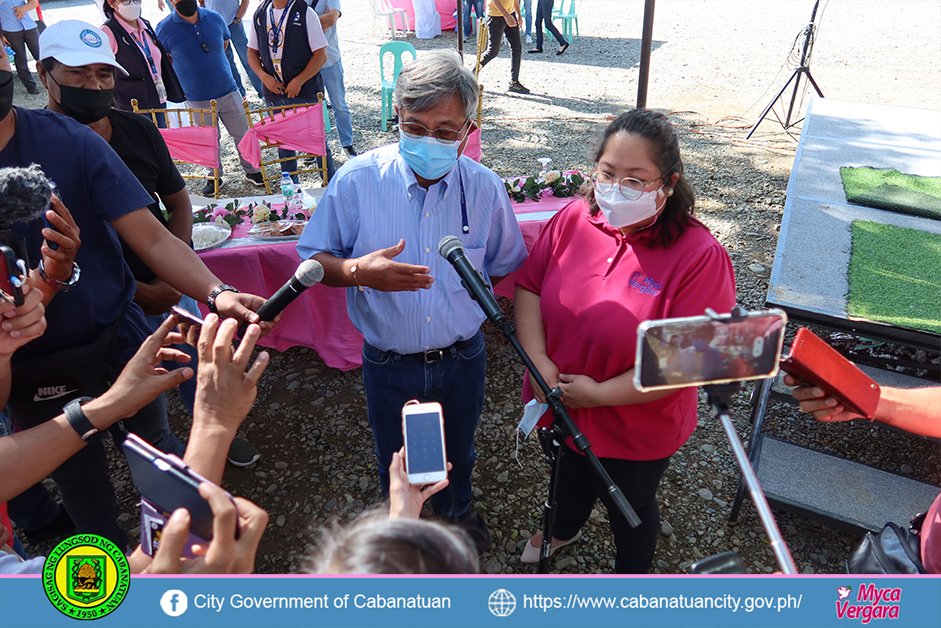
(309, 273)
(24, 194)
(449, 244)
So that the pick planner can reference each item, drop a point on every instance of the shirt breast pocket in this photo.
(476, 257)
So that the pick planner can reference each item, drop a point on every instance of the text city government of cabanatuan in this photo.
(359, 600)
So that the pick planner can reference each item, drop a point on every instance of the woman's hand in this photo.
(815, 401)
(579, 391)
(406, 500)
(549, 372)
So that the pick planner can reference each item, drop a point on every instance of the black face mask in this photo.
(6, 93)
(84, 105)
(186, 8)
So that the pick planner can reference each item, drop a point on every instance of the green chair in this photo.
(568, 13)
(397, 49)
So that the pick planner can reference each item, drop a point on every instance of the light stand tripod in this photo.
(809, 33)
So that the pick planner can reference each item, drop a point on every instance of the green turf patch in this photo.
(895, 276)
(884, 188)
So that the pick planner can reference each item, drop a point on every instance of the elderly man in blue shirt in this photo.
(376, 232)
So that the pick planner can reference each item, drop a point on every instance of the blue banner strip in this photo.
(510, 602)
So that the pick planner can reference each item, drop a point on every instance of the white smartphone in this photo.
(425, 453)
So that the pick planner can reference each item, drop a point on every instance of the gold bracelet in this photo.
(353, 272)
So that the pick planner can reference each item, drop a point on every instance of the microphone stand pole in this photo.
(562, 427)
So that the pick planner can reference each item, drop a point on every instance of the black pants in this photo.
(579, 489)
(544, 12)
(19, 41)
(498, 28)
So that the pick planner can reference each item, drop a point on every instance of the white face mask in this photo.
(622, 212)
(129, 12)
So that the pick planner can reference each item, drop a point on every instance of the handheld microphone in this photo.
(452, 249)
(308, 274)
(24, 194)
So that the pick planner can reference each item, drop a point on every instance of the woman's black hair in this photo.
(107, 9)
(660, 135)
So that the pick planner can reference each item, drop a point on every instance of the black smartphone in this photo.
(166, 483)
(700, 350)
(45, 221)
(12, 276)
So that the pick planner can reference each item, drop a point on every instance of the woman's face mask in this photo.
(623, 212)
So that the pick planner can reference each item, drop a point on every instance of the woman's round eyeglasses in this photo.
(630, 188)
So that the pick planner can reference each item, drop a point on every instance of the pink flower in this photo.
(219, 212)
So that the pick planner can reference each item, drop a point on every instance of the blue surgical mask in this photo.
(429, 158)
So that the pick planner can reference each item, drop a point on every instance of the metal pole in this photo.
(460, 28)
(645, 44)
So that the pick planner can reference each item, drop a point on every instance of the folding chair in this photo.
(397, 49)
(568, 13)
(190, 139)
(382, 10)
(300, 127)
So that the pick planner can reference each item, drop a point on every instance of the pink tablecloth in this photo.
(318, 319)
(446, 9)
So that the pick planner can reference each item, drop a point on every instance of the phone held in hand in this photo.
(45, 221)
(183, 316)
(814, 362)
(425, 452)
(166, 483)
(12, 276)
(701, 350)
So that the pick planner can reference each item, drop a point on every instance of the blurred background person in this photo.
(20, 32)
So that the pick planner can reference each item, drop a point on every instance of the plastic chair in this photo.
(568, 13)
(257, 118)
(381, 9)
(397, 49)
(179, 119)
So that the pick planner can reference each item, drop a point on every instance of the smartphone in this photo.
(45, 221)
(12, 276)
(425, 453)
(166, 483)
(814, 362)
(699, 350)
(183, 316)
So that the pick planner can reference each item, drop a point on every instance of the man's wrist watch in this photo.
(211, 299)
(62, 286)
(237, 20)
(78, 420)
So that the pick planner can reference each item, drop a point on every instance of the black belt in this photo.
(436, 355)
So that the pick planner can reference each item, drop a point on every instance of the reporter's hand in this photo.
(225, 553)
(225, 386)
(143, 379)
(58, 263)
(21, 324)
(406, 500)
(243, 306)
(814, 401)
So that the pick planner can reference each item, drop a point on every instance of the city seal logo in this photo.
(86, 577)
(90, 38)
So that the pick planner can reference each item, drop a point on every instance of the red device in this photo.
(814, 362)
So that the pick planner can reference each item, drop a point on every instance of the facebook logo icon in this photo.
(173, 602)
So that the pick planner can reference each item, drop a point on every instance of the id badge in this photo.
(161, 90)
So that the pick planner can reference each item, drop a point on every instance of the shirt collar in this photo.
(410, 180)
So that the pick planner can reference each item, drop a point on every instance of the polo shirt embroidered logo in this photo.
(90, 38)
(644, 284)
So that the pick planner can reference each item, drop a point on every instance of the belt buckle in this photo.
(433, 356)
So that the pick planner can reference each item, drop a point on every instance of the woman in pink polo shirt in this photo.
(628, 251)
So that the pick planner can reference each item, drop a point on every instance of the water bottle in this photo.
(287, 192)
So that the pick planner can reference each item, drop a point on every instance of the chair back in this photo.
(192, 137)
(397, 49)
(569, 8)
(298, 127)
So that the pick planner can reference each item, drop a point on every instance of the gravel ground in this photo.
(714, 66)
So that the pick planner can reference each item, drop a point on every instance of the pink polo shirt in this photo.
(596, 286)
(141, 36)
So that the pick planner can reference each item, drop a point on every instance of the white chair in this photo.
(381, 9)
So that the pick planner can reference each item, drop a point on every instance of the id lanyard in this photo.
(158, 80)
(464, 226)
(276, 32)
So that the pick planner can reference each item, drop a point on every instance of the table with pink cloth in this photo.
(446, 9)
(318, 318)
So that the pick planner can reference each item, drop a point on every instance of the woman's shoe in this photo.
(531, 554)
(562, 48)
(535, 51)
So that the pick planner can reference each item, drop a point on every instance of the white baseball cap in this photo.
(75, 43)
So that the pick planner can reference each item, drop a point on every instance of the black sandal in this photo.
(536, 51)
(563, 48)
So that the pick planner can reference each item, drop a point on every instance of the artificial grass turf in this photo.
(884, 188)
(895, 276)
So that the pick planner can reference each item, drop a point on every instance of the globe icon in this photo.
(502, 603)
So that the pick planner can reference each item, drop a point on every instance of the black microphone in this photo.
(308, 274)
(452, 249)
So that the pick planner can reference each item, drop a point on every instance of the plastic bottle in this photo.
(287, 192)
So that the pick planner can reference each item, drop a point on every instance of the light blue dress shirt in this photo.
(333, 43)
(8, 17)
(373, 202)
(226, 8)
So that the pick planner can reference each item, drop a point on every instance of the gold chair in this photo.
(178, 119)
(257, 118)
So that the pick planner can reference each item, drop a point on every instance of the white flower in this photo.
(552, 176)
(260, 214)
(220, 221)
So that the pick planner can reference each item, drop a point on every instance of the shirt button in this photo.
(427, 347)
(427, 213)
(428, 320)
(427, 250)
(610, 259)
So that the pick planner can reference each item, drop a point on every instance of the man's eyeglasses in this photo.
(127, 2)
(630, 188)
(443, 135)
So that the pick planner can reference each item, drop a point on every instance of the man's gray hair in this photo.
(433, 78)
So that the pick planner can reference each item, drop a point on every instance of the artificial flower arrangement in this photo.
(234, 214)
(560, 184)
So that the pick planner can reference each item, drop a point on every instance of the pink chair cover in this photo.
(193, 144)
(300, 129)
(472, 149)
